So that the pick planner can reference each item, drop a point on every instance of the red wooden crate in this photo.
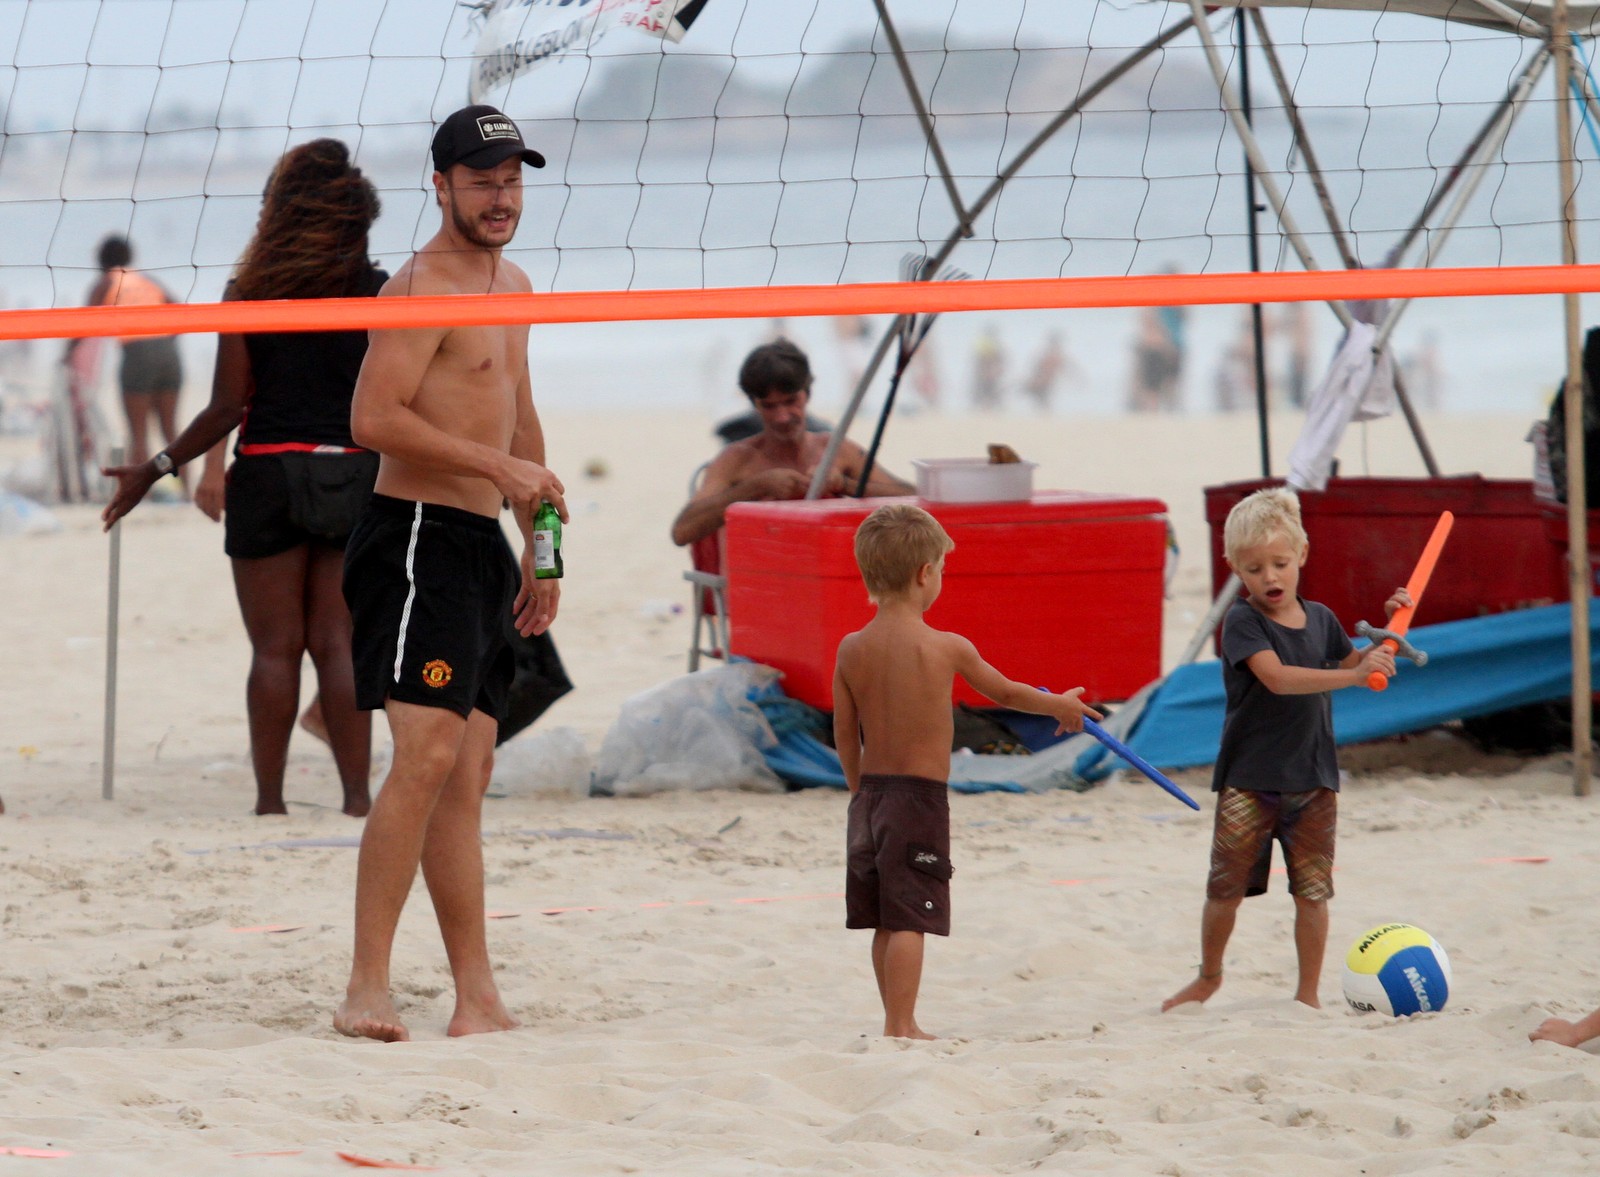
(1366, 535)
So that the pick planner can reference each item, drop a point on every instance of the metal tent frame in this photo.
(1550, 24)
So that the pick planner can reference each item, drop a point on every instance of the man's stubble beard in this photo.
(473, 234)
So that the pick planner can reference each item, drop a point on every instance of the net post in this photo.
(108, 747)
(1578, 574)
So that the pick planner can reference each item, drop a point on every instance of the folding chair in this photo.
(709, 596)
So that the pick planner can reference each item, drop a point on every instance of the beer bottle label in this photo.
(544, 550)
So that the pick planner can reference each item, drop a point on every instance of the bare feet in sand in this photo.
(1197, 990)
(486, 1017)
(357, 800)
(1558, 1030)
(916, 1032)
(2, 804)
(311, 720)
(375, 1019)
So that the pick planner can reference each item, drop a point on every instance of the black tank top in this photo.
(304, 381)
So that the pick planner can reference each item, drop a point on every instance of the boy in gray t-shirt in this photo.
(1277, 776)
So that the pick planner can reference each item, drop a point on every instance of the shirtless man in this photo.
(778, 462)
(429, 577)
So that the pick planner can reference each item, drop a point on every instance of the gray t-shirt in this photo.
(1278, 743)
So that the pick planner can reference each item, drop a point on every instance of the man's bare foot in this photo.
(358, 804)
(311, 720)
(2, 804)
(486, 1017)
(1197, 990)
(911, 1031)
(269, 808)
(1557, 1030)
(369, 1020)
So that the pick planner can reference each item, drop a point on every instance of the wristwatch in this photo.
(163, 463)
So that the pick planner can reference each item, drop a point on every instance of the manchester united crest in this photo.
(436, 673)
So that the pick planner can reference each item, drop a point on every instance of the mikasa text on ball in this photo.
(1396, 969)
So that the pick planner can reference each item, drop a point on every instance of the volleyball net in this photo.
(735, 159)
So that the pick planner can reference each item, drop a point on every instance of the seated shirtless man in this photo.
(778, 462)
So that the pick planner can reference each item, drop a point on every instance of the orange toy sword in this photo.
(1394, 637)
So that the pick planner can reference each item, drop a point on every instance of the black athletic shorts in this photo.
(150, 365)
(276, 502)
(429, 590)
(897, 874)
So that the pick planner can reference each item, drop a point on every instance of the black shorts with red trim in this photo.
(280, 498)
(429, 590)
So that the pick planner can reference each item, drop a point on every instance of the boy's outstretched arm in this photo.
(1305, 680)
(846, 730)
(1066, 708)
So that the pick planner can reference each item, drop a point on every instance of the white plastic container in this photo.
(973, 480)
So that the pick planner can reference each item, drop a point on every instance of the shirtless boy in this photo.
(429, 580)
(893, 727)
(778, 462)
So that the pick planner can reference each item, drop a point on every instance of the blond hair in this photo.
(1256, 518)
(892, 543)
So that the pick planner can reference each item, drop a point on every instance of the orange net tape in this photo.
(760, 302)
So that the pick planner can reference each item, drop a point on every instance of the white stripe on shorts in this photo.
(411, 591)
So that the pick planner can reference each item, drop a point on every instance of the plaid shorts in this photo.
(1241, 842)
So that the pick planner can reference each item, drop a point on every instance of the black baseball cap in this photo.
(480, 137)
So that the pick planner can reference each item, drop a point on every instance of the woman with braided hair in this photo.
(299, 481)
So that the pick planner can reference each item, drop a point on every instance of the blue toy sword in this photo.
(1139, 762)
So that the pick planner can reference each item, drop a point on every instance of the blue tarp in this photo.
(803, 761)
(1475, 667)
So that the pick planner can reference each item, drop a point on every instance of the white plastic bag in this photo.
(22, 516)
(553, 762)
(697, 732)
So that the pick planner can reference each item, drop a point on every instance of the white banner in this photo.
(521, 34)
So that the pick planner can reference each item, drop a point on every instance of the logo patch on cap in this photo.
(497, 126)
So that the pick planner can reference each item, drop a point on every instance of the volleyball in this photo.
(1396, 969)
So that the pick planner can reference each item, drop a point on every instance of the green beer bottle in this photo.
(547, 563)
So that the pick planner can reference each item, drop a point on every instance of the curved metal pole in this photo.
(1258, 159)
(1490, 144)
(923, 117)
(1525, 25)
(1286, 220)
(1302, 140)
(1087, 95)
(1455, 173)
(819, 476)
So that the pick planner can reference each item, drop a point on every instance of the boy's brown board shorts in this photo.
(1241, 842)
(898, 873)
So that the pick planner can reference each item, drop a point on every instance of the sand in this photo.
(168, 963)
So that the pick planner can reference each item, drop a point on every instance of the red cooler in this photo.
(1060, 590)
(1366, 535)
